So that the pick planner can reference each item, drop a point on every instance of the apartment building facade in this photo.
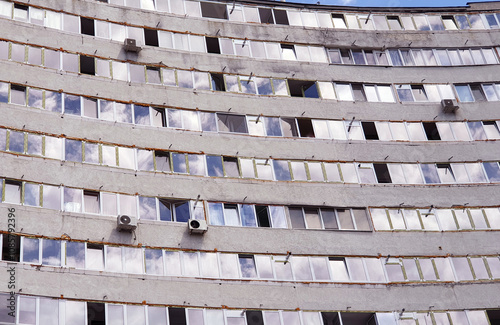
(248, 162)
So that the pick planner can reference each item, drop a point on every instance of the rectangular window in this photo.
(232, 123)
(214, 10)
(87, 65)
(11, 248)
(87, 26)
(151, 37)
(12, 192)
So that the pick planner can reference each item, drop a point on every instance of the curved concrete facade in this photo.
(385, 235)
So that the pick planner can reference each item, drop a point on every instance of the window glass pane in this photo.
(51, 252)
(464, 93)
(115, 315)
(283, 271)
(301, 268)
(462, 268)
(113, 259)
(375, 270)
(247, 266)
(344, 92)
(133, 258)
(339, 269)
(315, 171)
(444, 269)
(298, 170)
(75, 312)
(128, 205)
(31, 250)
(229, 266)
(446, 219)
(72, 200)
(345, 219)
(95, 257)
(31, 194)
(248, 215)
(493, 171)
(349, 173)
(320, 268)
(51, 197)
(427, 269)
(154, 261)
(209, 265)
(280, 87)
(460, 131)
(172, 263)
(147, 208)
(264, 266)
(476, 173)
(27, 310)
(278, 217)
(75, 254)
(281, 170)
(380, 221)
(196, 164)
(179, 162)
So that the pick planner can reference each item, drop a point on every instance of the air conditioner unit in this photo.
(126, 223)
(130, 45)
(197, 226)
(449, 105)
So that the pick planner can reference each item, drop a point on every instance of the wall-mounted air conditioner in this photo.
(126, 223)
(197, 226)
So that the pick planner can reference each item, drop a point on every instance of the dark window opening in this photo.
(254, 317)
(218, 82)
(11, 248)
(232, 123)
(262, 216)
(266, 16)
(303, 88)
(431, 131)
(177, 316)
(19, 6)
(87, 65)
(95, 313)
(494, 316)
(162, 160)
(382, 173)
(370, 130)
(151, 37)
(358, 92)
(87, 26)
(330, 318)
(281, 17)
(231, 166)
(213, 10)
(212, 45)
(358, 318)
(17, 88)
(305, 128)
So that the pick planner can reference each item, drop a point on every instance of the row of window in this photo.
(245, 215)
(249, 124)
(321, 19)
(242, 47)
(436, 219)
(168, 209)
(160, 262)
(241, 167)
(263, 86)
(414, 57)
(47, 311)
